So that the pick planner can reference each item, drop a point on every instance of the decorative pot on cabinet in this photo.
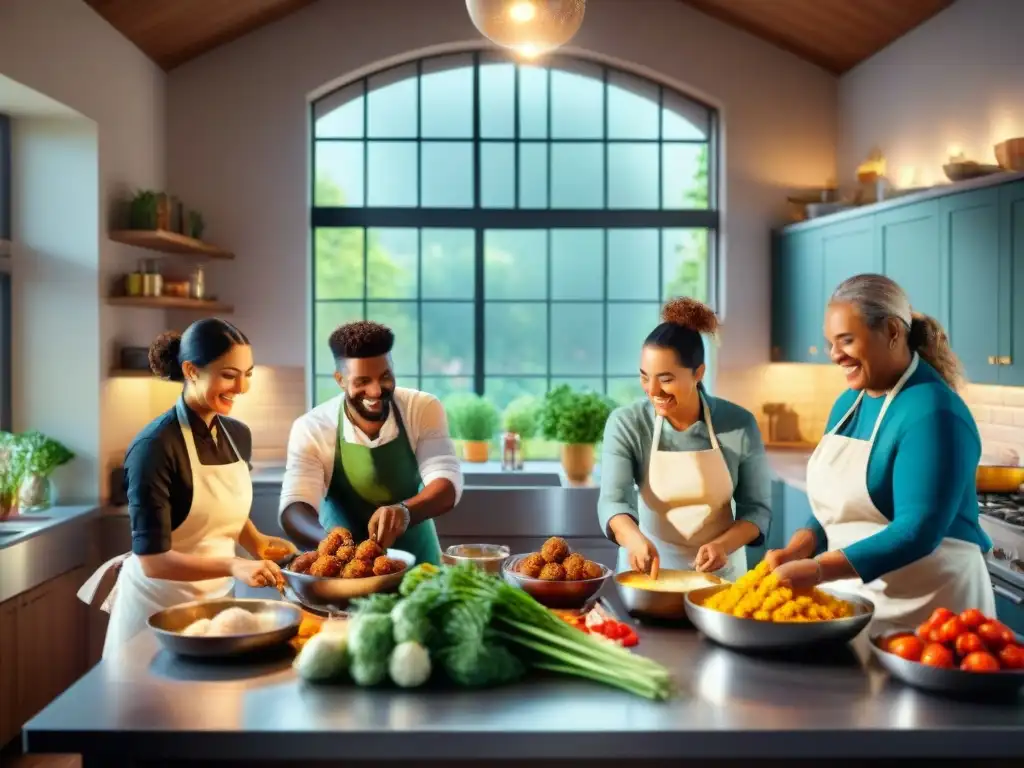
(578, 462)
(475, 451)
(36, 493)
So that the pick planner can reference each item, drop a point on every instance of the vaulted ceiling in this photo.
(835, 34)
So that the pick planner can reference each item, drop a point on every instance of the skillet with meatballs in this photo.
(338, 556)
(556, 562)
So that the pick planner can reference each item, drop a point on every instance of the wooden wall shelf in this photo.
(171, 302)
(169, 242)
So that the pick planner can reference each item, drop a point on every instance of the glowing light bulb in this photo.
(522, 12)
(528, 51)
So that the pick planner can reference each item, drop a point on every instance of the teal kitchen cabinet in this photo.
(847, 249)
(1010, 370)
(969, 243)
(797, 297)
(907, 247)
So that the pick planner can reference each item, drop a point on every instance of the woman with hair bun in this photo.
(892, 482)
(189, 489)
(692, 456)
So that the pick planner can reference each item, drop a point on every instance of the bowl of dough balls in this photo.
(557, 577)
(225, 626)
(340, 569)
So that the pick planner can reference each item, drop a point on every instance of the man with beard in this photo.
(377, 459)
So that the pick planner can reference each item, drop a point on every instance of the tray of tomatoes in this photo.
(955, 653)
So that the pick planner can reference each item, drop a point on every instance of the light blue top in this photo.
(627, 449)
(921, 472)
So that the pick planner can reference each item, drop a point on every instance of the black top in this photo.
(158, 476)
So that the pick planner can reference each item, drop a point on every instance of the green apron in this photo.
(365, 479)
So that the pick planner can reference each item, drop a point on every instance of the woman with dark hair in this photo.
(189, 489)
(692, 456)
(892, 482)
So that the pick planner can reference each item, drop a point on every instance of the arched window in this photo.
(517, 225)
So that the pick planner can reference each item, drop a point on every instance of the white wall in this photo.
(955, 81)
(64, 50)
(238, 139)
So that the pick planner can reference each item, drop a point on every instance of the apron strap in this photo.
(893, 392)
(659, 421)
(186, 432)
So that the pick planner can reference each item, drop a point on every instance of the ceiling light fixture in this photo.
(528, 27)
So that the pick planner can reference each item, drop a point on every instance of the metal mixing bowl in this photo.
(949, 681)
(564, 595)
(487, 557)
(282, 619)
(336, 592)
(648, 604)
(751, 634)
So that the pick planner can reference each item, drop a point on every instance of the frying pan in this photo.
(991, 478)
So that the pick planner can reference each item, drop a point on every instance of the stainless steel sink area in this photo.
(20, 524)
(512, 480)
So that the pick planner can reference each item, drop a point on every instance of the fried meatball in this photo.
(383, 565)
(555, 550)
(592, 570)
(302, 563)
(346, 552)
(552, 572)
(357, 569)
(330, 543)
(369, 551)
(326, 565)
(575, 557)
(345, 533)
(574, 569)
(531, 565)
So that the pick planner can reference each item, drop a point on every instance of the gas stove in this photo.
(1002, 518)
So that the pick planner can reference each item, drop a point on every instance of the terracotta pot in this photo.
(578, 462)
(8, 506)
(475, 451)
(999, 479)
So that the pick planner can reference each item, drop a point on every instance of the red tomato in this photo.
(906, 647)
(1012, 657)
(968, 643)
(950, 630)
(980, 661)
(940, 616)
(994, 635)
(924, 632)
(937, 655)
(973, 618)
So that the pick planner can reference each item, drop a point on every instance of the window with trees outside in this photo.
(518, 225)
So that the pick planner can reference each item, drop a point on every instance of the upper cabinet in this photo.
(959, 256)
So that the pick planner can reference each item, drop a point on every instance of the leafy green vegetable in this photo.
(375, 603)
(368, 671)
(323, 657)
(370, 637)
(412, 621)
(44, 453)
(410, 665)
(13, 463)
(416, 576)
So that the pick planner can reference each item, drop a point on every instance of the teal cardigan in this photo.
(921, 473)
(627, 448)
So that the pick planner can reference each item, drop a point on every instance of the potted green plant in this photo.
(474, 420)
(142, 211)
(522, 416)
(42, 456)
(576, 420)
(12, 471)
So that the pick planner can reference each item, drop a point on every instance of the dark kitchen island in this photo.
(148, 707)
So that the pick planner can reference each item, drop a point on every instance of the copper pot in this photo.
(999, 479)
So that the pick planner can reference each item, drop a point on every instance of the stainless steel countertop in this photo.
(146, 703)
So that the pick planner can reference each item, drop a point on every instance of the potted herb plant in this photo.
(12, 471)
(42, 456)
(576, 420)
(474, 420)
(522, 416)
(142, 210)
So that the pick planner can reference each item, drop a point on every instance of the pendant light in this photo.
(529, 27)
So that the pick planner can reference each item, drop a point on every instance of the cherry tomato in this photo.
(906, 647)
(940, 616)
(950, 630)
(924, 631)
(937, 655)
(968, 643)
(980, 661)
(1012, 657)
(994, 635)
(1008, 637)
(973, 618)
(630, 641)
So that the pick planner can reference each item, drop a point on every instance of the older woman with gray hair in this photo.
(892, 482)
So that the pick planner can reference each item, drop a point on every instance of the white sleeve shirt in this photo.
(313, 442)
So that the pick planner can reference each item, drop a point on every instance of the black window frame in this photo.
(480, 219)
(6, 311)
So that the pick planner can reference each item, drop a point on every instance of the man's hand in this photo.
(799, 574)
(387, 524)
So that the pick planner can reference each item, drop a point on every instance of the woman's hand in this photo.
(643, 555)
(274, 548)
(777, 557)
(257, 573)
(799, 574)
(711, 557)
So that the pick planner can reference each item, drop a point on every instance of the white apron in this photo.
(954, 576)
(221, 502)
(687, 502)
